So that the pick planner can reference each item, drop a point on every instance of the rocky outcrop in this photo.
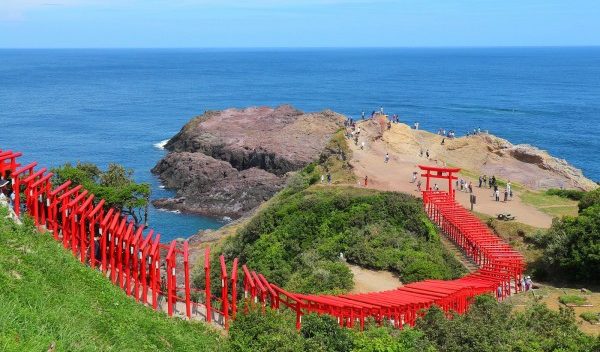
(226, 163)
(558, 172)
(490, 155)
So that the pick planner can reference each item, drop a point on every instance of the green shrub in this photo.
(571, 247)
(491, 326)
(591, 317)
(255, 331)
(572, 299)
(296, 241)
(589, 199)
(572, 194)
(323, 333)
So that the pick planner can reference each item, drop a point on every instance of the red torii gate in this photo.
(445, 173)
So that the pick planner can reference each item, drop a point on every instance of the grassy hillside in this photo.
(47, 296)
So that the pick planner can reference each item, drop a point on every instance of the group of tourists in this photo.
(353, 132)
(464, 186)
(492, 183)
(451, 134)
(328, 175)
(526, 283)
(475, 131)
(447, 134)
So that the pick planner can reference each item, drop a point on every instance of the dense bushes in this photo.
(571, 247)
(296, 241)
(490, 326)
(572, 194)
(589, 199)
(487, 326)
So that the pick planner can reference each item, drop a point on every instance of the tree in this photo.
(115, 185)
(572, 246)
(589, 199)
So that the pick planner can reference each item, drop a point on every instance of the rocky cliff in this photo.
(487, 154)
(225, 163)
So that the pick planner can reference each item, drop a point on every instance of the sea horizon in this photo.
(114, 104)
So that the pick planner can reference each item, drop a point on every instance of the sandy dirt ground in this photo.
(396, 175)
(370, 281)
(550, 295)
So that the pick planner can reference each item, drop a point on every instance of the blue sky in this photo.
(297, 23)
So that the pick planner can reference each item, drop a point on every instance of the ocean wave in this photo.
(169, 210)
(161, 145)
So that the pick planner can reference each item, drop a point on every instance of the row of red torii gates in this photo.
(158, 274)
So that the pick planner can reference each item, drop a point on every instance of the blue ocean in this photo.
(108, 106)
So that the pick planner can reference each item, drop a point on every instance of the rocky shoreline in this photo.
(226, 163)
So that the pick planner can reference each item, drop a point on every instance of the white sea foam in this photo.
(169, 210)
(161, 186)
(161, 145)
(226, 219)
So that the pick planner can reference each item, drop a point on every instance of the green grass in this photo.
(591, 317)
(47, 296)
(550, 204)
(572, 299)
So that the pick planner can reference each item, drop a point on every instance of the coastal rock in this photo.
(490, 155)
(226, 163)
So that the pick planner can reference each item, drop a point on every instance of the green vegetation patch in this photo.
(335, 160)
(572, 300)
(550, 204)
(591, 317)
(487, 326)
(571, 194)
(296, 241)
(47, 296)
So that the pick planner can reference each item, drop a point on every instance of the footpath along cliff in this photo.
(226, 163)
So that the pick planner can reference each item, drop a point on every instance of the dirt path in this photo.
(371, 281)
(397, 173)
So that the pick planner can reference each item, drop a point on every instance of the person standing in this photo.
(362, 145)
(509, 188)
(427, 153)
(387, 157)
(419, 185)
(505, 194)
(435, 187)
(366, 180)
(497, 192)
(414, 176)
(328, 177)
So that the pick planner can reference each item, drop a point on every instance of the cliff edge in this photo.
(225, 163)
